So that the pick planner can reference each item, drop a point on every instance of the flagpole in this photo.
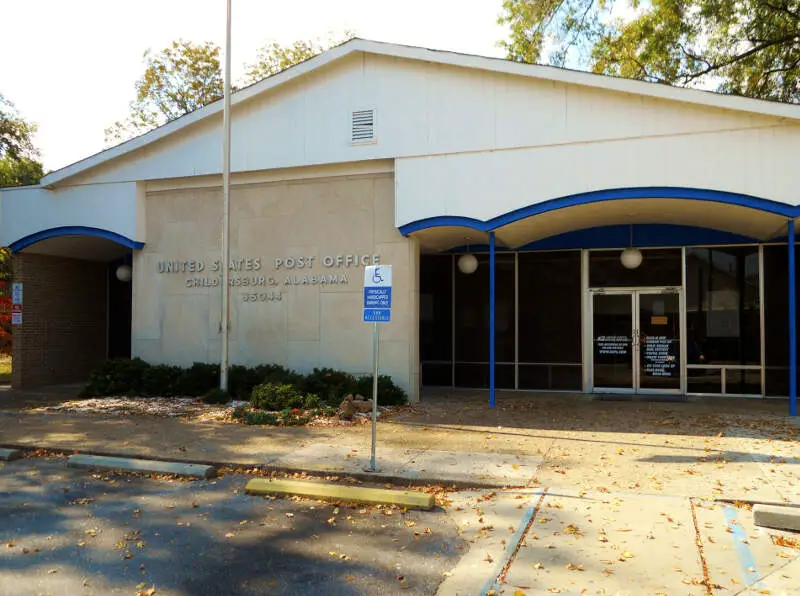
(226, 192)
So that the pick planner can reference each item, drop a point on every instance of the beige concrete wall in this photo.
(299, 325)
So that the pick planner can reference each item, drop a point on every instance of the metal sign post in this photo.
(377, 309)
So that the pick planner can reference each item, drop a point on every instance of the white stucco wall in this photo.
(299, 325)
(593, 136)
(115, 207)
(485, 184)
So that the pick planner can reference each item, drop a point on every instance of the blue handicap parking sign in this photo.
(378, 294)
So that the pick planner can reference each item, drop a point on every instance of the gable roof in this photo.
(498, 65)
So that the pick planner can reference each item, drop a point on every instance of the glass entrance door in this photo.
(659, 341)
(613, 361)
(636, 341)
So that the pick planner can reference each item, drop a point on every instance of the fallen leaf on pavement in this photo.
(786, 542)
(574, 567)
(538, 565)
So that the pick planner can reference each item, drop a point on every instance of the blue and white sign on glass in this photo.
(377, 293)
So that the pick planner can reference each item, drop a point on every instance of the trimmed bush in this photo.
(268, 387)
(198, 379)
(389, 394)
(161, 380)
(241, 381)
(120, 376)
(331, 385)
(217, 396)
(277, 374)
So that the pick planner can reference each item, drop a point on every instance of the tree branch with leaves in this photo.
(19, 158)
(741, 47)
(187, 76)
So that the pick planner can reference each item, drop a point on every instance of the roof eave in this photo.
(499, 65)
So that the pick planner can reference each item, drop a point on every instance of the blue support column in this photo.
(491, 319)
(792, 326)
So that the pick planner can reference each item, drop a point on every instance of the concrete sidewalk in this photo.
(539, 541)
(737, 449)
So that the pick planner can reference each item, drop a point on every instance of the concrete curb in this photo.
(779, 518)
(9, 454)
(336, 492)
(140, 465)
(314, 473)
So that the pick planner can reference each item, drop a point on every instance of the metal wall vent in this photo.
(363, 126)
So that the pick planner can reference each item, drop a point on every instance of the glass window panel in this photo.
(436, 374)
(476, 376)
(704, 380)
(504, 376)
(550, 307)
(550, 376)
(743, 382)
(723, 320)
(660, 267)
(435, 307)
(472, 311)
(776, 380)
(776, 316)
(472, 375)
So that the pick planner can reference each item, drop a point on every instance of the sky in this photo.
(70, 65)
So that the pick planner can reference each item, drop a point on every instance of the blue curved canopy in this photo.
(645, 192)
(74, 231)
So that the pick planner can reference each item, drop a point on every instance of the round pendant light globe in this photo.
(124, 273)
(631, 258)
(467, 264)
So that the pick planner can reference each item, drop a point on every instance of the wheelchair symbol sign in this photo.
(378, 293)
(378, 276)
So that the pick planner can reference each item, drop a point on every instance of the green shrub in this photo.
(269, 418)
(198, 379)
(389, 394)
(241, 381)
(217, 396)
(270, 396)
(268, 387)
(120, 376)
(293, 418)
(160, 380)
(329, 384)
(312, 402)
(277, 374)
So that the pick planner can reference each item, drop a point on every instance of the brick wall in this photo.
(63, 331)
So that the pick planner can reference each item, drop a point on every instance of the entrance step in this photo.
(639, 397)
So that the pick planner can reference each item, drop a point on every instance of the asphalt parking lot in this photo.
(67, 531)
